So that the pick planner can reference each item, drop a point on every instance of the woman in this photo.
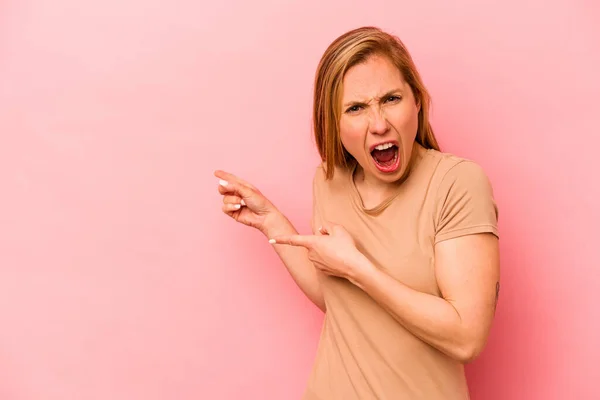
(403, 258)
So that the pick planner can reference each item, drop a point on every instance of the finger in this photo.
(230, 199)
(306, 241)
(234, 188)
(230, 208)
(227, 177)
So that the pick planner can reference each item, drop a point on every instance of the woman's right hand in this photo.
(246, 204)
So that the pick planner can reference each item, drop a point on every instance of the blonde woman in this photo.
(403, 258)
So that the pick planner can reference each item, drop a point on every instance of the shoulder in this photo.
(450, 170)
(464, 198)
(448, 165)
(339, 179)
(320, 172)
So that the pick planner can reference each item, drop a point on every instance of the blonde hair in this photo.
(348, 50)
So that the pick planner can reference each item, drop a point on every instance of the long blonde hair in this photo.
(348, 50)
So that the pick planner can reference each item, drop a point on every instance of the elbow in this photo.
(466, 355)
(469, 351)
(470, 345)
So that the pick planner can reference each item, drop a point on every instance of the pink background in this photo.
(121, 279)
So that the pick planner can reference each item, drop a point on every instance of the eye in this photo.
(353, 109)
(393, 99)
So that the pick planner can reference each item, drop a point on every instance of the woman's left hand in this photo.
(333, 250)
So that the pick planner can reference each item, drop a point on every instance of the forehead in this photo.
(376, 76)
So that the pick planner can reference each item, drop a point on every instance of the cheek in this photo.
(407, 123)
(352, 134)
(409, 131)
(408, 134)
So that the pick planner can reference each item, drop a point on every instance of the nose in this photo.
(378, 124)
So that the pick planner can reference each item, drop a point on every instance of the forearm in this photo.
(296, 261)
(431, 318)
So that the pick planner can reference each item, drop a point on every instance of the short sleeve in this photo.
(465, 203)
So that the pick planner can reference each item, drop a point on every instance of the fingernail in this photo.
(272, 241)
(243, 202)
(222, 182)
(237, 206)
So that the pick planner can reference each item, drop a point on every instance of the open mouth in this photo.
(386, 157)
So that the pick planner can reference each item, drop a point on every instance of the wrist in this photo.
(361, 270)
(276, 224)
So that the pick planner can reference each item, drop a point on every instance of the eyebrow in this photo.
(387, 94)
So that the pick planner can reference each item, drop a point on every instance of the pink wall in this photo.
(120, 278)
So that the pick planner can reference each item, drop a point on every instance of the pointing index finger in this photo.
(294, 240)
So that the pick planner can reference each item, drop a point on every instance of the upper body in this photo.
(403, 257)
(408, 264)
(364, 353)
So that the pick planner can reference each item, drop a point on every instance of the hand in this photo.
(246, 204)
(333, 250)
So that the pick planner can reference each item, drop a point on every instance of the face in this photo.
(379, 119)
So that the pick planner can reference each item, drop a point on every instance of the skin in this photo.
(247, 205)
(379, 105)
(467, 272)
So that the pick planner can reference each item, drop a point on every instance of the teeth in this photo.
(383, 146)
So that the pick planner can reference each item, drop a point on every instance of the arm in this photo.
(458, 323)
(296, 261)
(247, 205)
(466, 267)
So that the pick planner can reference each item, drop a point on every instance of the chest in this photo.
(398, 241)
